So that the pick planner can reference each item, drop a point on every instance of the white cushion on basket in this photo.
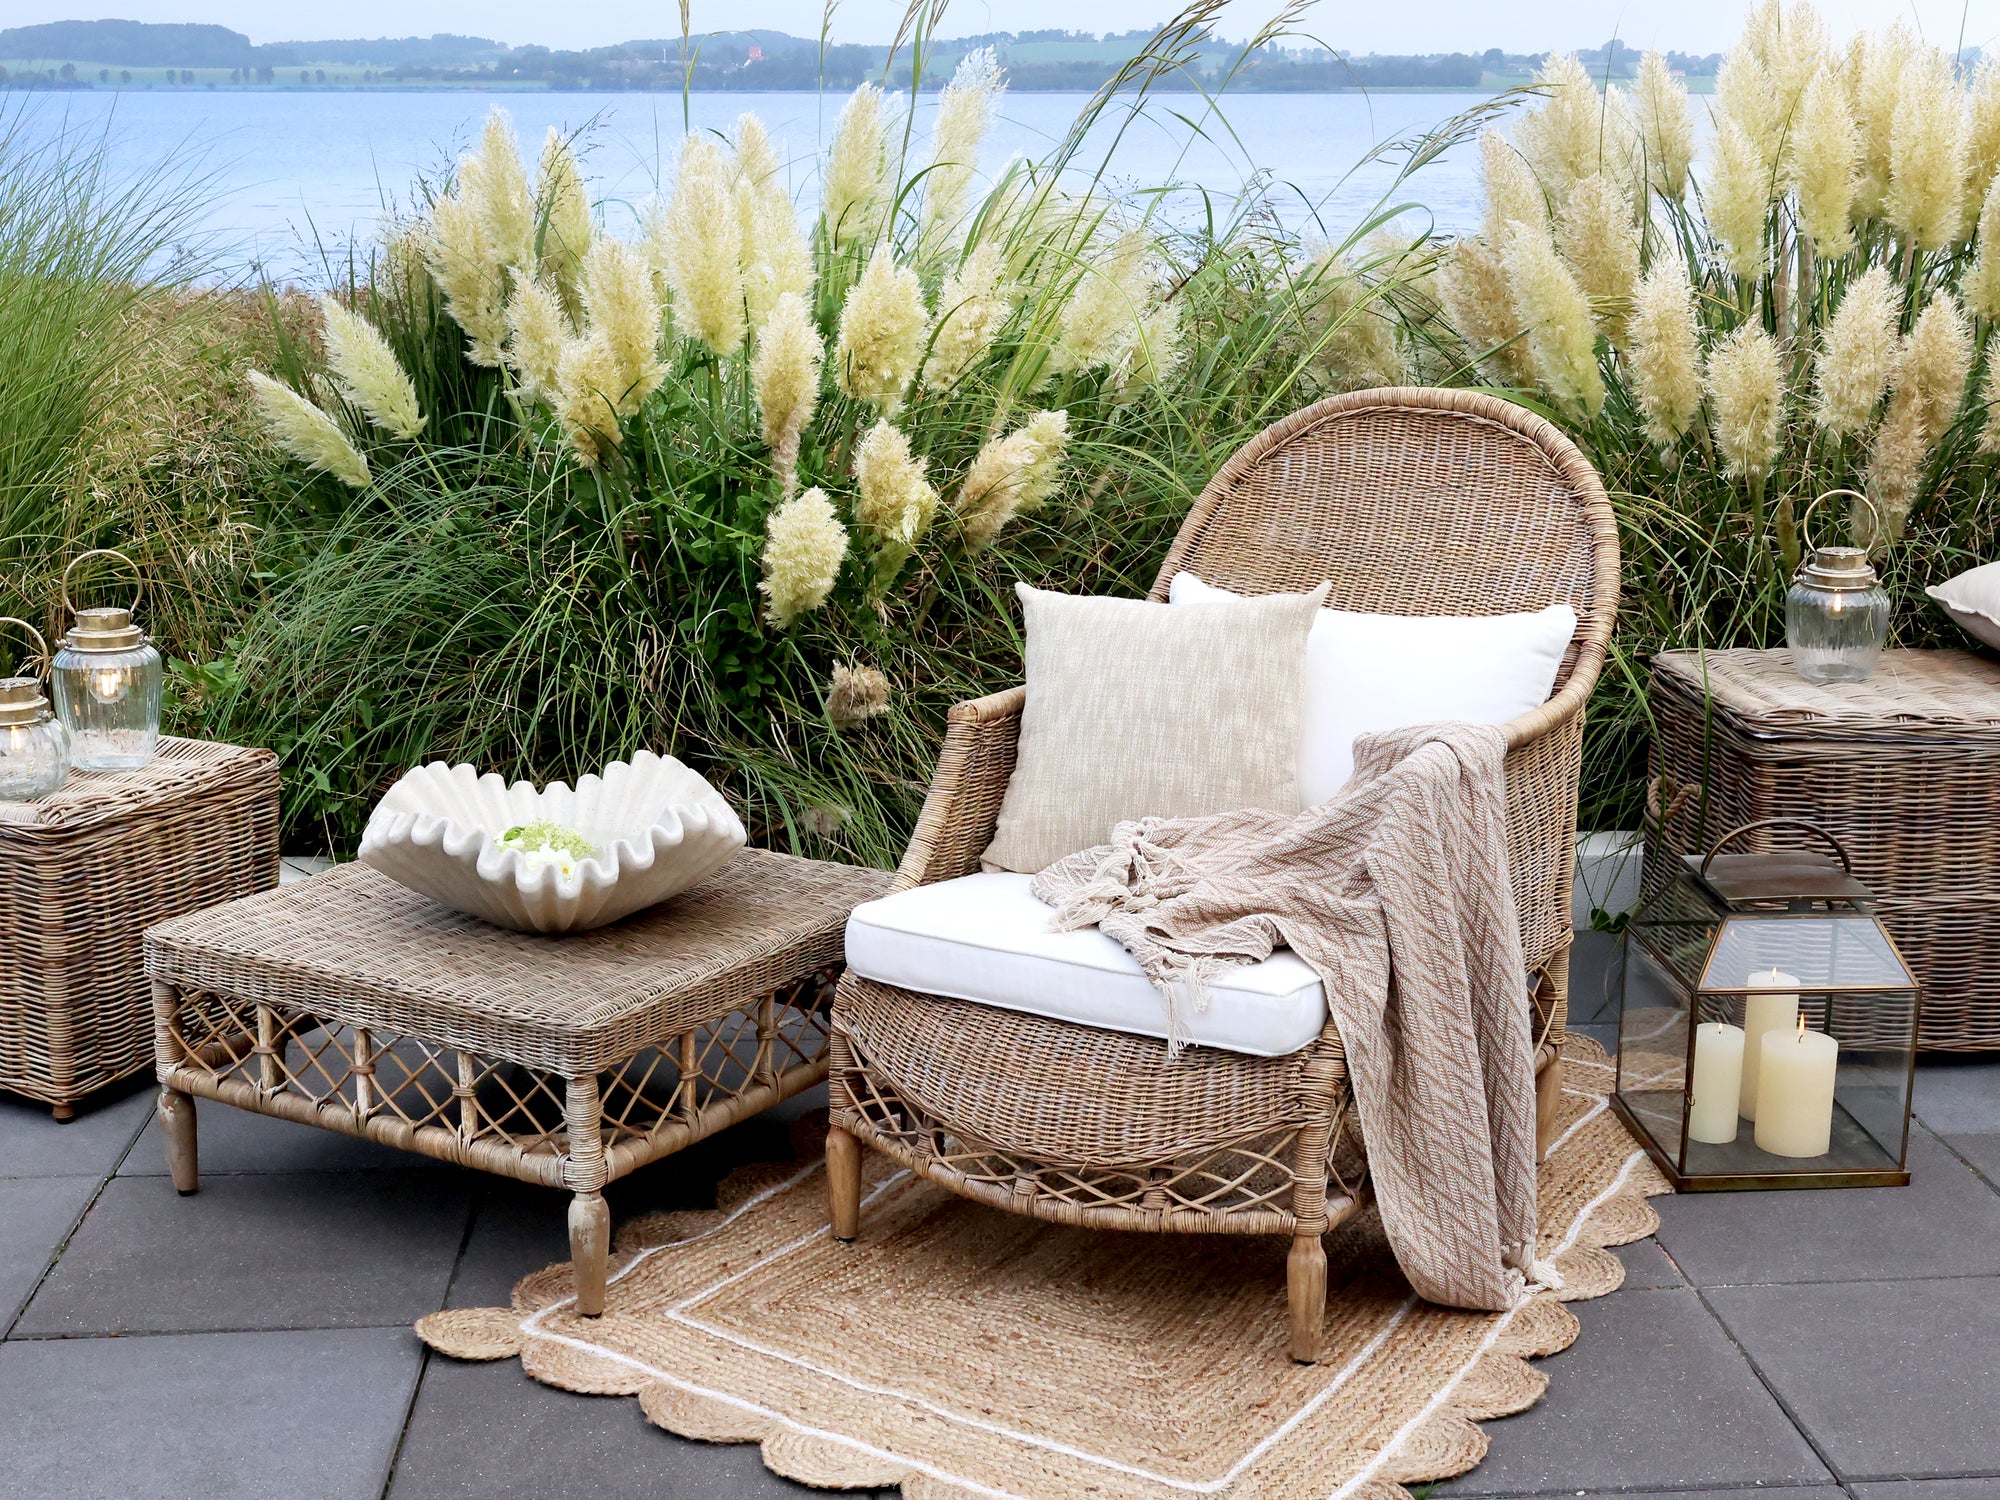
(986, 938)
(1371, 672)
(1973, 599)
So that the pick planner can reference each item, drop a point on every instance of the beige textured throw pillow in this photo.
(1140, 710)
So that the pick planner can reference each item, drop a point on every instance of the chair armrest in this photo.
(963, 804)
(1544, 769)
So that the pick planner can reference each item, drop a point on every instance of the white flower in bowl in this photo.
(553, 860)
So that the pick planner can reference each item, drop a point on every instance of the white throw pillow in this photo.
(1374, 672)
(1138, 709)
(1973, 599)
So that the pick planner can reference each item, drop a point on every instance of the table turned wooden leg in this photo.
(843, 1182)
(589, 1249)
(176, 1111)
(589, 1215)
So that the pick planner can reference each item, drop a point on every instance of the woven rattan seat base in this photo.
(351, 1003)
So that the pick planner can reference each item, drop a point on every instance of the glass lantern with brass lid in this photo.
(34, 746)
(108, 682)
(1767, 1024)
(1837, 613)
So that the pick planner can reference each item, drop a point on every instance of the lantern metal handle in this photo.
(1805, 521)
(139, 572)
(40, 639)
(1846, 864)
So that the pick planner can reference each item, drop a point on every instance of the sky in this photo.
(1431, 26)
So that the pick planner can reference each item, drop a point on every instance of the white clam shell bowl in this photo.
(657, 826)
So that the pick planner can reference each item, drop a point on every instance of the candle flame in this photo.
(1802, 1023)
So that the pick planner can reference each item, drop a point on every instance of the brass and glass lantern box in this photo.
(1767, 1025)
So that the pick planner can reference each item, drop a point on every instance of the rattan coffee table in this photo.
(349, 1002)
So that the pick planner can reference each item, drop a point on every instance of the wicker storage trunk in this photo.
(84, 872)
(1904, 769)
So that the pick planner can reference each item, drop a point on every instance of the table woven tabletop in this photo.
(1956, 693)
(354, 946)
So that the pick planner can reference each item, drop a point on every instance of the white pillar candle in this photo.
(1795, 1093)
(1717, 1083)
(1777, 1010)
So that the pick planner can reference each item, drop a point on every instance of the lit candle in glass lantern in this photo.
(108, 682)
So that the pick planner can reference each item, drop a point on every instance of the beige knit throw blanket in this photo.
(1396, 892)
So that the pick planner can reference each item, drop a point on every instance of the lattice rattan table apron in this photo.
(349, 1002)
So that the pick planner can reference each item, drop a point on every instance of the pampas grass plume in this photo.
(1599, 241)
(618, 295)
(1857, 356)
(1827, 149)
(1513, 196)
(1746, 396)
(1927, 155)
(562, 204)
(893, 499)
(306, 432)
(1876, 62)
(588, 391)
(973, 304)
(1982, 280)
(366, 372)
(1010, 475)
(855, 694)
(467, 270)
(1739, 190)
(1666, 369)
(965, 110)
(1560, 138)
(702, 236)
(1666, 126)
(537, 329)
(883, 329)
(850, 199)
(784, 376)
(1554, 310)
(494, 181)
(1472, 287)
(1114, 293)
(804, 544)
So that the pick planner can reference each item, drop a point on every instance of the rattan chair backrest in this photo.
(1413, 501)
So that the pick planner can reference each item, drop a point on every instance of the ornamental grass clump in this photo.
(708, 485)
(1813, 309)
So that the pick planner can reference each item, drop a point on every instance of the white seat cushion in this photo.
(986, 938)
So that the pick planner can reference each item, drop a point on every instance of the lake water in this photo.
(294, 169)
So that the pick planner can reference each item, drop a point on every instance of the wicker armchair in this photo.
(1413, 501)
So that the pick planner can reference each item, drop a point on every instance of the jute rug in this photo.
(959, 1351)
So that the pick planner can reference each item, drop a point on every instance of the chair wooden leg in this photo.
(590, 1250)
(1548, 1105)
(843, 1182)
(176, 1114)
(1305, 1273)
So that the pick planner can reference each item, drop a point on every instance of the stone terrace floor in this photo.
(255, 1340)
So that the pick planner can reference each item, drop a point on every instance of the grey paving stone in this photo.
(1930, 1489)
(1958, 1095)
(221, 1415)
(283, 1250)
(1589, 963)
(1983, 1151)
(1651, 1395)
(35, 1215)
(32, 1144)
(236, 1140)
(1647, 1266)
(1945, 1223)
(1894, 1379)
(487, 1432)
(518, 1228)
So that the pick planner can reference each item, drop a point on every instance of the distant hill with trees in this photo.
(97, 54)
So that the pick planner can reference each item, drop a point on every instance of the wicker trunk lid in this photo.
(84, 871)
(1904, 769)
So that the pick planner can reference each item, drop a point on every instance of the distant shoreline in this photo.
(1486, 88)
